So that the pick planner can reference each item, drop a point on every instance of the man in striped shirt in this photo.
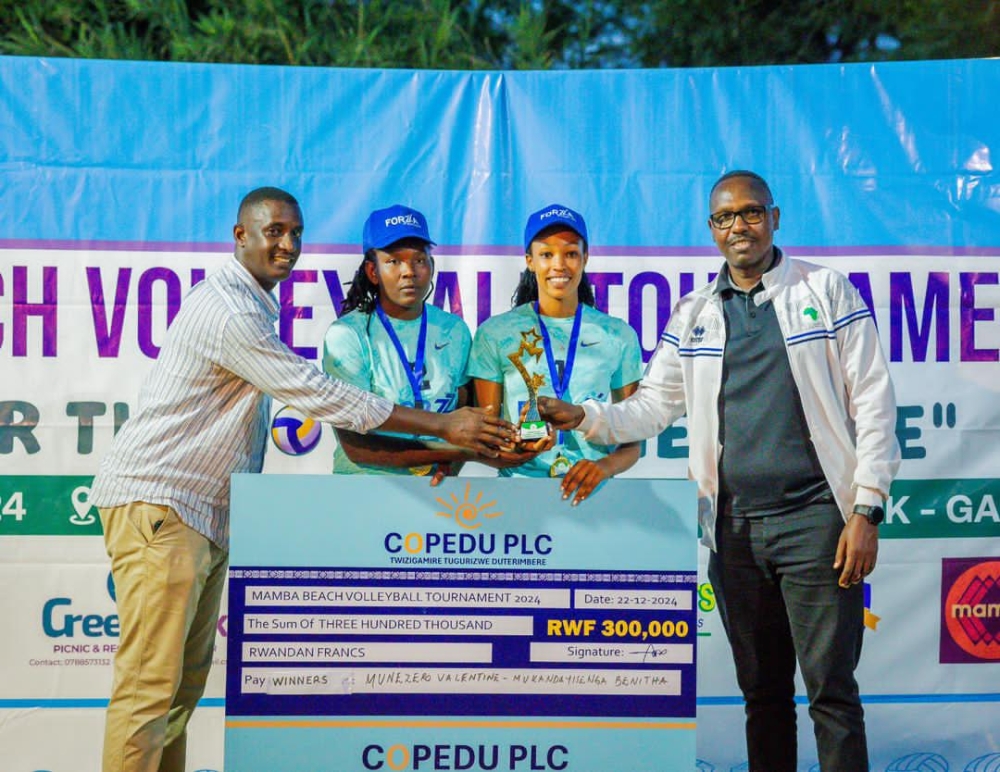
(163, 489)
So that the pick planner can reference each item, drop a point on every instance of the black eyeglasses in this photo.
(752, 215)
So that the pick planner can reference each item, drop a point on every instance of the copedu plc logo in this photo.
(402, 757)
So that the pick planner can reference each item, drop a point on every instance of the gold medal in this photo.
(421, 471)
(560, 466)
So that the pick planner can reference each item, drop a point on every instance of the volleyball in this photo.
(988, 763)
(919, 762)
(294, 433)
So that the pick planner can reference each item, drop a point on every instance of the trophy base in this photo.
(534, 430)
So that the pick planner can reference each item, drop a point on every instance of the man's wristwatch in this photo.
(874, 515)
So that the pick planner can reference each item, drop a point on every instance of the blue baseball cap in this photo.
(553, 214)
(385, 227)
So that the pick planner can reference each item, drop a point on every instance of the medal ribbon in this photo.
(415, 372)
(559, 385)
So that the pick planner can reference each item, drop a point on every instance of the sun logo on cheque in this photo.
(466, 512)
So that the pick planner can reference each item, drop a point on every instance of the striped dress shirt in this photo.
(204, 408)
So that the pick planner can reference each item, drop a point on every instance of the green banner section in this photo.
(942, 509)
(47, 505)
(57, 505)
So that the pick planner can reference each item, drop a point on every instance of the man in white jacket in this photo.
(791, 424)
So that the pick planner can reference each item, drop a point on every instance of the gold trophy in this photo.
(532, 427)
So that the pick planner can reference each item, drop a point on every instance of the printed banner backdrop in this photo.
(119, 187)
(467, 626)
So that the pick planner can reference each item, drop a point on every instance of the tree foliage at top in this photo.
(502, 34)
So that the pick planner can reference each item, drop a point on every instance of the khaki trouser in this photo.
(168, 587)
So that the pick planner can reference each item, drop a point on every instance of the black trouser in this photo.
(779, 600)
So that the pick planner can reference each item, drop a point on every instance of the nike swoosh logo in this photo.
(587, 344)
(439, 346)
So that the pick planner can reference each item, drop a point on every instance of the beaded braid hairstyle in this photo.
(527, 288)
(363, 292)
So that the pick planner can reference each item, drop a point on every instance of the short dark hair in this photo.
(743, 173)
(266, 193)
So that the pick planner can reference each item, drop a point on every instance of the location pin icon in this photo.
(81, 503)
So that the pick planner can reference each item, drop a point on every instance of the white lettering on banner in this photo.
(961, 509)
(894, 510)
(13, 507)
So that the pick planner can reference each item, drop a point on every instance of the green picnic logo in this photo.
(811, 313)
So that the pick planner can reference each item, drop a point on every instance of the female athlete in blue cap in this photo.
(392, 342)
(556, 339)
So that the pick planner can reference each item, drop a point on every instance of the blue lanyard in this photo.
(559, 385)
(415, 372)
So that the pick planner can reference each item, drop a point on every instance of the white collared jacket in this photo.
(837, 364)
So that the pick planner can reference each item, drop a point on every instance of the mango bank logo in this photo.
(970, 610)
(465, 512)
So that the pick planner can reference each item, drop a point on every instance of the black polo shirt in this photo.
(768, 464)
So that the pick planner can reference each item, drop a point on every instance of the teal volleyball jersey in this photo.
(608, 357)
(357, 349)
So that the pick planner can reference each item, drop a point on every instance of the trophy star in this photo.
(529, 342)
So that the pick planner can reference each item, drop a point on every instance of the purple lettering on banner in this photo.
(484, 296)
(863, 284)
(108, 336)
(290, 312)
(687, 284)
(902, 300)
(446, 287)
(602, 283)
(47, 309)
(146, 281)
(334, 290)
(197, 275)
(969, 315)
(662, 306)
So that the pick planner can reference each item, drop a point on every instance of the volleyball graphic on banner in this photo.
(295, 433)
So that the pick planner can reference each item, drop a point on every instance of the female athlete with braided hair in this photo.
(389, 340)
(554, 338)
